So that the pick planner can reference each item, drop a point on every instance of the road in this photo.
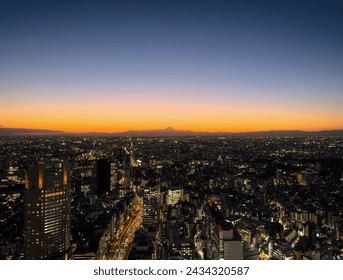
(121, 247)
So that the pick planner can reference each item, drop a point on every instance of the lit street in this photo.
(120, 248)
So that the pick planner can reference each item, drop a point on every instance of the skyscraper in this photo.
(103, 176)
(223, 240)
(47, 201)
(150, 206)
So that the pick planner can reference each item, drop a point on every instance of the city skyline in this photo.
(167, 198)
(168, 130)
(230, 66)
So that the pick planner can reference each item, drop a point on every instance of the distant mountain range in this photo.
(170, 132)
(4, 131)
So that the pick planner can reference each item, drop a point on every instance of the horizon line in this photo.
(58, 131)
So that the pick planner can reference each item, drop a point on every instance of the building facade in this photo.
(47, 203)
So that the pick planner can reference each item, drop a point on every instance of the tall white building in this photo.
(174, 195)
(223, 242)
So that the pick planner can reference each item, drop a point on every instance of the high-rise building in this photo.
(151, 210)
(103, 174)
(174, 195)
(113, 175)
(223, 240)
(47, 200)
(150, 206)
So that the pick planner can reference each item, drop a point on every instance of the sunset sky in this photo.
(198, 65)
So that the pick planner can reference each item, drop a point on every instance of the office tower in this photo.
(174, 195)
(113, 175)
(149, 210)
(47, 199)
(223, 240)
(150, 206)
(103, 174)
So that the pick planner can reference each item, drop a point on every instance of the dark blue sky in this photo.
(283, 53)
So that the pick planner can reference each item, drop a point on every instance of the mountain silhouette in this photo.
(169, 131)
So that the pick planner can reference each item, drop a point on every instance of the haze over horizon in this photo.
(169, 131)
(113, 66)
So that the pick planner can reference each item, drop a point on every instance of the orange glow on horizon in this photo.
(244, 125)
(197, 115)
(209, 125)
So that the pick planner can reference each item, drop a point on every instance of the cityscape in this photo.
(171, 198)
(171, 130)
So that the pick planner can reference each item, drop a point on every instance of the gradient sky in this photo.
(200, 65)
